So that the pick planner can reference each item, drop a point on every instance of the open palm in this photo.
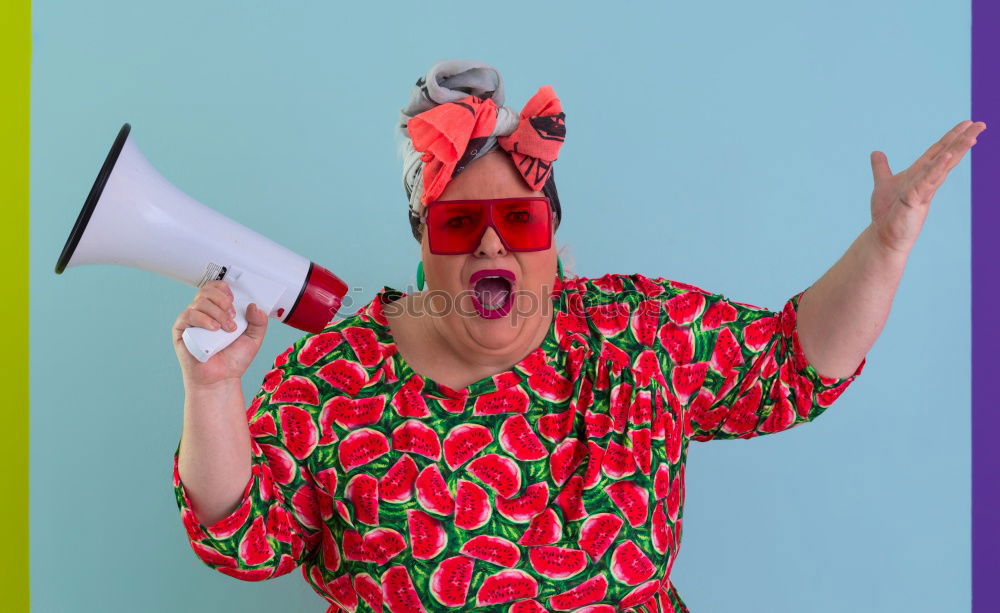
(900, 201)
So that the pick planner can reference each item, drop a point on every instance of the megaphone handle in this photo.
(203, 343)
(247, 287)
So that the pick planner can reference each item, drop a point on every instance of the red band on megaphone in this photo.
(318, 302)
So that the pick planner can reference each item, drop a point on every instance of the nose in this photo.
(490, 245)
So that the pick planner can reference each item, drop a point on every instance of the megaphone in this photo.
(134, 217)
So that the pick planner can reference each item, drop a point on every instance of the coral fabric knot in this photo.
(444, 132)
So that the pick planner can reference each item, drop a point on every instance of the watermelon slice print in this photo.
(450, 581)
(609, 319)
(554, 485)
(685, 308)
(463, 442)
(472, 506)
(369, 591)
(398, 592)
(506, 586)
(492, 549)
(519, 440)
(544, 529)
(590, 591)
(629, 564)
(296, 390)
(318, 346)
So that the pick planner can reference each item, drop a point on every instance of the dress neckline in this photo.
(499, 381)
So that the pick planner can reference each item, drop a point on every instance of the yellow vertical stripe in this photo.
(15, 76)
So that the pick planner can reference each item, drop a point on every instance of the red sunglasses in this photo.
(455, 227)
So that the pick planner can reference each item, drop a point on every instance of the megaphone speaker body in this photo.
(134, 217)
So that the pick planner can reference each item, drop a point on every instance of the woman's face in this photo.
(448, 277)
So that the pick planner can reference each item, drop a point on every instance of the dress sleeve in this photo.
(738, 370)
(751, 376)
(278, 523)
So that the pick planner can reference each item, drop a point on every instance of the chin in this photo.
(494, 335)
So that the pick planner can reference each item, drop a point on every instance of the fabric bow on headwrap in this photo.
(456, 115)
(444, 134)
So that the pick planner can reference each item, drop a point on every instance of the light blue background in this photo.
(722, 144)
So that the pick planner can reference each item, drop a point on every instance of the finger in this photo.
(217, 313)
(935, 174)
(218, 291)
(220, 317)
(215, 297)
(194, 318)
(256, 323)
(940, 169)
(962, 144)
(221, 285)
(880, 166)
(943, 143)
(218, 288)
(921, 191)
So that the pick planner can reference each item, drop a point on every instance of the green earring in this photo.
(420, 275)
(559, 266)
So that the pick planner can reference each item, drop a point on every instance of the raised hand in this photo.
(900, 201)
(212, 308)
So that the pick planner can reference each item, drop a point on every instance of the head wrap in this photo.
(456, 115)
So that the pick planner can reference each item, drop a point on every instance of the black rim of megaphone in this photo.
(91, 202)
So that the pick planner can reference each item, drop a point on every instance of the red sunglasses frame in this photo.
(488, 203)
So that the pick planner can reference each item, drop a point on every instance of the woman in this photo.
(509, 439)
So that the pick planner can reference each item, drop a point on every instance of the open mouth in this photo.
(492, 292)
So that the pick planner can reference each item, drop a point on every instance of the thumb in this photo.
(880, 166)
(256, 322)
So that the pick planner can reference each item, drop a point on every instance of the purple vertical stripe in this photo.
(985, 299)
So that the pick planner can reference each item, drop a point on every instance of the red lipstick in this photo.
(494, 311)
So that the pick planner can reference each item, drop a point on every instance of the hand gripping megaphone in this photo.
(134, 217)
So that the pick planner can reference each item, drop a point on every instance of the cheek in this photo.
(443, 271)
(540, 267)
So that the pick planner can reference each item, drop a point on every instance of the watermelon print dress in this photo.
(557, 485)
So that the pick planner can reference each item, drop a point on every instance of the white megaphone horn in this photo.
(134, 217)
